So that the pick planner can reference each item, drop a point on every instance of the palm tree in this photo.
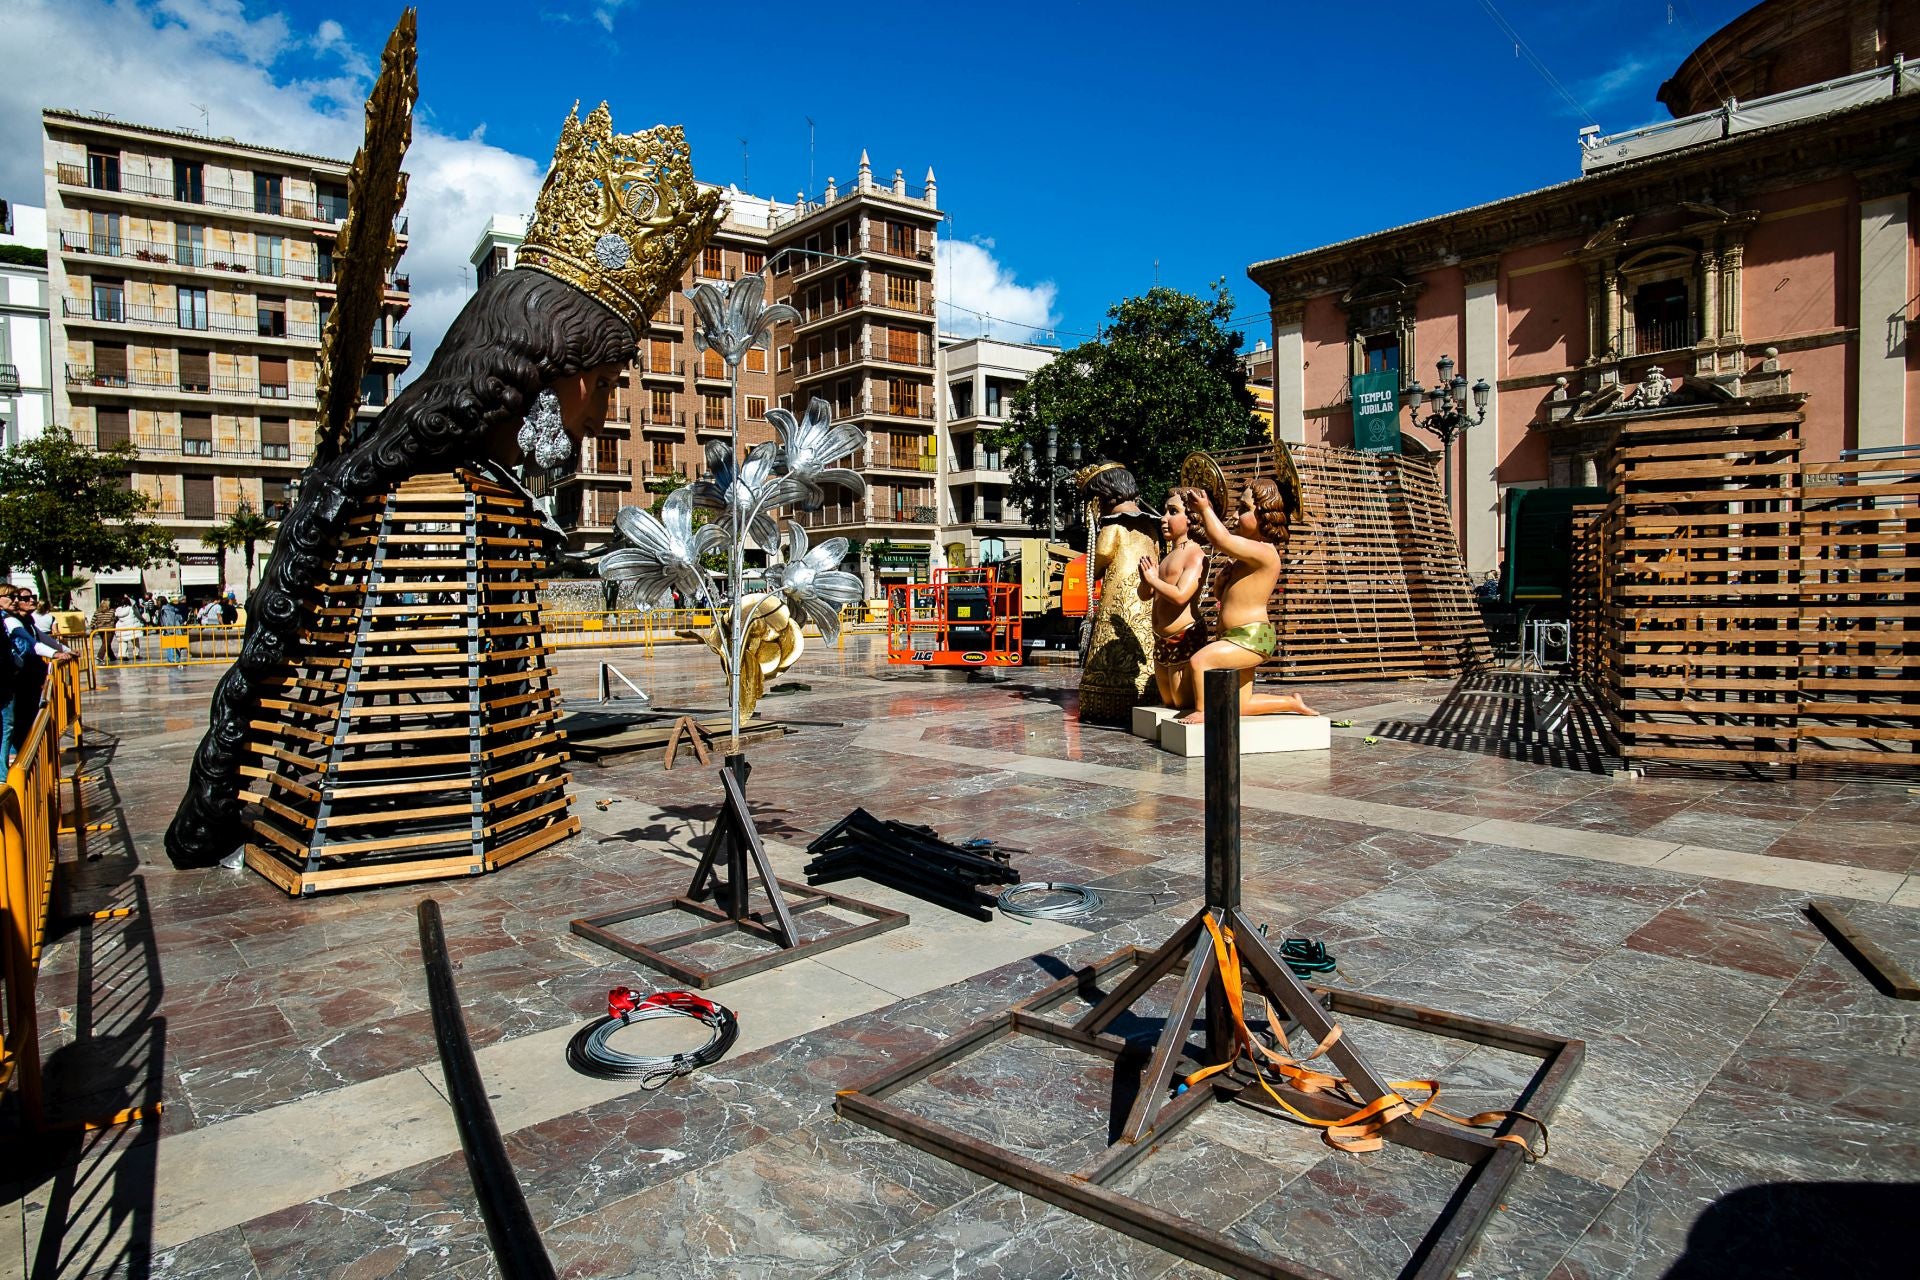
(240, 532)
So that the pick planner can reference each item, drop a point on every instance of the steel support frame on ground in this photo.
(734, 847)
(1191, 955)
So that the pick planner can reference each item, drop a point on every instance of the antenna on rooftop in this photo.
(809, 157)
(206, 117)
(745, 181)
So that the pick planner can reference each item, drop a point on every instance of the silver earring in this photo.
(543, 437)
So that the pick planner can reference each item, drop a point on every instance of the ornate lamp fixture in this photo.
(1447, 412)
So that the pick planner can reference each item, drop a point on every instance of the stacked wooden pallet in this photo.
(1373, 585)
(1860, 613)
(1701, 589)
(414, 734)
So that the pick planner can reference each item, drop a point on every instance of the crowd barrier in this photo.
(193, 644)
(30, 830)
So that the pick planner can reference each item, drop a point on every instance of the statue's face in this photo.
(583, 397)
(1173, 522)
(1246, 517)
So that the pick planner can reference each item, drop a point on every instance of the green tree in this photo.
(65, 507)
(241, 531)
(1163, 380)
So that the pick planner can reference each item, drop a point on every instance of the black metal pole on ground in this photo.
(1221, 699)
(517, 1249)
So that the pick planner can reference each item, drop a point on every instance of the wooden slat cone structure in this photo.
(1373, 586)
(414, 735)
(1749, 607)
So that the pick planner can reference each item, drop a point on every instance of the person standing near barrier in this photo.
(32, 650)
(100, 628)
(172, 620)
(126, 630)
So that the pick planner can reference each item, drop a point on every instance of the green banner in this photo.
(1376, 411)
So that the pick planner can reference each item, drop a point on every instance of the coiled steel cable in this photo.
(1082, 901)
(589, 1053)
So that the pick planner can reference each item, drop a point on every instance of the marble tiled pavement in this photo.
(1747, 1107)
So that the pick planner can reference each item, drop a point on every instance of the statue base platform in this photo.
(1259, 735)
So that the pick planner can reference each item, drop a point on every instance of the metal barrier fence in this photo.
(188, 644)
(30, 830)
(192, 644)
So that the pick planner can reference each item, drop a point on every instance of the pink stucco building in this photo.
(1765, 237)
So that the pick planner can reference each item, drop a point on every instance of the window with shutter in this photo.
(714, 409)
(662, 407)
(662, 455)
(756, 408)
(711, 365)
(757, 360)
(273, 318)
(198, 494)
(196, 371)
(661, 358)
(276, 439)
(110, 363)
(903, 346)
(273, 377)
(196, 435)
(606, 455)
(710, 261)
(110, 427)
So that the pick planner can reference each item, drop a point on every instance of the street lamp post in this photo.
(1447, 413)
(1055, 473)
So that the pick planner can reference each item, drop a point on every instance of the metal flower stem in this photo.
(736, 564)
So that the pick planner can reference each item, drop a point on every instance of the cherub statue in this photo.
(1243, 588)
(1173, 588)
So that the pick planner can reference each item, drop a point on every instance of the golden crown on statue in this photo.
(620, 215)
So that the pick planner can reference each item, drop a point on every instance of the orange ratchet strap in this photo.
(1359, 1130)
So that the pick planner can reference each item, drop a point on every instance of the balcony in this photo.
(185, 258)
(180, 515)
(906, 515)
(913, 249)
(886, 460)
(666, 368)
(1646, 339)
(918, 411)
(827, 308)
(833, 516)
(704, 422)
(9, 379)
(227, 199)
(169, 318)
(82, 378)
(205, 450)
(919, 357)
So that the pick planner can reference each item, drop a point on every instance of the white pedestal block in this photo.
(1258, 735)
(1147, 720)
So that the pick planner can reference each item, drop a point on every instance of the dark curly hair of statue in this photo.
(519, 334)
(1271, 509)
(1112, 486)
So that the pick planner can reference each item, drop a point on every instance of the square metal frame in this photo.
(1491, 1164)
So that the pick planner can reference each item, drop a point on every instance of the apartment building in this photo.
(859, 266)
(26, 381)
(190, 278)
(977, 379)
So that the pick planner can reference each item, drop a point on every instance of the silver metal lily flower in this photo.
(753, 487)
(666, 551)
(731, 317)
(815, 586)
(809, 445)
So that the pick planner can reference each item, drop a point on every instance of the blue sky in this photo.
(1076, 145)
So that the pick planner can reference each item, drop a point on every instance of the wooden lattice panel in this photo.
(415, 734)
(1702, 593)
(1860, 613)
(1372, 586)
(1586, 616)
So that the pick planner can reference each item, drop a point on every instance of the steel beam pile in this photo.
(912, 859)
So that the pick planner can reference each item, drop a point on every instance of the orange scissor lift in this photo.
(963, 618)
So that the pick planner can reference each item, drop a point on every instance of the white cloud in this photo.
(156, 63)
(978, 295)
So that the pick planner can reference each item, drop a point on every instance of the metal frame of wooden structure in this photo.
(732, 859)
(1190, 954)
(415, 735)
(1372, 584)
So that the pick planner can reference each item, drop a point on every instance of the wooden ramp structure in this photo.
(414, 736)
(1735, 604)
(1373, 586)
